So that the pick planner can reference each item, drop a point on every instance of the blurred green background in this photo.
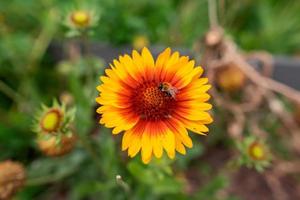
(30, 75)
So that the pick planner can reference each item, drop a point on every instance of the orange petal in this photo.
(179, 146)
(146, 147)
(157, 146)
(131, 68)
(180, 131)
(135, 140)
(195, 126)
(192, 114)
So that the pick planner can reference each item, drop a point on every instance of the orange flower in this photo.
(154, 102)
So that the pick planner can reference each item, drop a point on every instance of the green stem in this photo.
(55, 178)
(48, 179)
(5, 89)
(89, 148)
(86, 53)
(212, 13)
(123, 184)
(43, 40)
(85, 42)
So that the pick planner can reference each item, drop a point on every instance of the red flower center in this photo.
(151, 103)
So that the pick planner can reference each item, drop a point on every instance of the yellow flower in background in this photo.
(80, 21)
(51, 120)
(257, 151)
(254, 153)
(230, 78)
(154, 102)
(54, 120)
(140, 42)
(80, 18)
(53, 125)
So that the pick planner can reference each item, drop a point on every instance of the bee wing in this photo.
(173, 93)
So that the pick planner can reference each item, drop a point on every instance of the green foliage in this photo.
(268, 25)
(210, 190)
(157, 176)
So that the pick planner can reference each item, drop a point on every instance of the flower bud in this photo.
(54, 146)
(80, 22)
(12, 177)
(230, 78)
(140, 42)
(80, 18)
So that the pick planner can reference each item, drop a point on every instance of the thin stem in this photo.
(125, 186)
(89, 148)
(43, 40)
(122, 184)
(86, 53)
(212, 13)
(5, 89)
(85, 42)
(222, 11)
(48, 179)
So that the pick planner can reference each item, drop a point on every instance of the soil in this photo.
(246, 184)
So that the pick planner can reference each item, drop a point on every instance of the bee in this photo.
(168, 89)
